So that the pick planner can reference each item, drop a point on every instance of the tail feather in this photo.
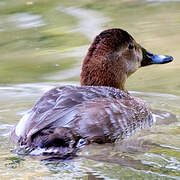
(59, 142)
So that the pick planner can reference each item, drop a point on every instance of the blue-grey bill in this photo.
(149, 58)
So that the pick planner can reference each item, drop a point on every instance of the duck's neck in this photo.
(103, 71)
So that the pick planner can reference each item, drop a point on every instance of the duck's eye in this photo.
(131, 46)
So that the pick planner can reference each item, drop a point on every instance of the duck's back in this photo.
(97, 114)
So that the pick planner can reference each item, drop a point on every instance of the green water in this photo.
(42, 44)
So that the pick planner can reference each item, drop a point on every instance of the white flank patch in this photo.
(20, 128)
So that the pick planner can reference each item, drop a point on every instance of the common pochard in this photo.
(100, 110)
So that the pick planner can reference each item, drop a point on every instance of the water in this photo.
(42, 45)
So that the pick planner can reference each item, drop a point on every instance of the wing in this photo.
(58, 107)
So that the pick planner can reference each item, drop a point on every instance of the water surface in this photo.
(42, 45)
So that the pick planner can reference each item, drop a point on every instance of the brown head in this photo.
(112, 57)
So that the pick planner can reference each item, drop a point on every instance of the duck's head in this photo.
(113, 56)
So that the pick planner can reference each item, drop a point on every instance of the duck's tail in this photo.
(59, 142)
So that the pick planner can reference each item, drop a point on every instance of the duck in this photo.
(101, 110)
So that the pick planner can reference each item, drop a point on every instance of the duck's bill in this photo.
(149, 58)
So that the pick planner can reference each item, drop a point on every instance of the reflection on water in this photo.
(95, 20)
(42, 46)
(25, 20)
(21, 21)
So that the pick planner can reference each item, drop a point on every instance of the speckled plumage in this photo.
(96, 114)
